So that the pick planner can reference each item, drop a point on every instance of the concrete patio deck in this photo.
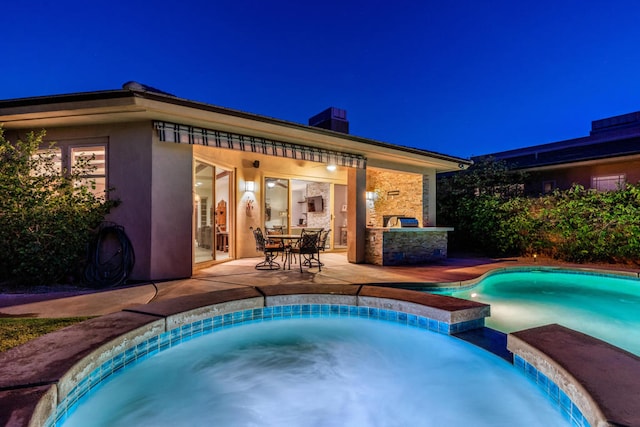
(241, 273)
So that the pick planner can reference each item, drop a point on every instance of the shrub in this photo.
(576, 225)
(588, 226)
(46, 215)
(472, 202)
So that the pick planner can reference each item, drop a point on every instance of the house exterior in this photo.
(605, 160)
(194, 179)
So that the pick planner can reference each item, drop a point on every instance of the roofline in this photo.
(69, 97)
(608, 134)
(549, 146)
(170, 99)
(581, 162)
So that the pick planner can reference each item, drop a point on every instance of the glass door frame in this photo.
(212, 211)
(293, 226)
(277, 212)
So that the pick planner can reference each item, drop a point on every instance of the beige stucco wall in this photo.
(153, 181)
(171, 210)
(129, 163)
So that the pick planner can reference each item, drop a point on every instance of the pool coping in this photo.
(464, 284)
(35, 377)
(594, 377)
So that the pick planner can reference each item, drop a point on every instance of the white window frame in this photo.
(64, 149)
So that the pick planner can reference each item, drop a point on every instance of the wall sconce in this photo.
(331, 167)
(371, 195)
(249, 186)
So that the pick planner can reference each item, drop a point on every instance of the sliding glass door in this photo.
(276, 209)
(212, 216)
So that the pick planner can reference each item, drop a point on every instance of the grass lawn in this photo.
(18, 330)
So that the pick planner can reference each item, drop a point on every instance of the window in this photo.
(95, 156)
(548, 187)
(69, 153)
(608, 182)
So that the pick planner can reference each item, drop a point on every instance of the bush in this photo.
(46, 215)
(575, 225)
(588, 226)
(473, 202)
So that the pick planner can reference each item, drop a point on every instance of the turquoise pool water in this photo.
(604, 306)
(330, 371)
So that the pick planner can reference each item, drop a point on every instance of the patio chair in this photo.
(307, 248)
(270, 251)
(277, 231)
(322, 242)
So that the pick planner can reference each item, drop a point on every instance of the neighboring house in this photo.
(605, 160)
(193, 178)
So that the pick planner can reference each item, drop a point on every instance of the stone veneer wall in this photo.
(320, 219)
(408, 202)
(425, 214)
(386, 247)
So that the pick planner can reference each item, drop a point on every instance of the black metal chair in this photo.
(270, 251)
(307, 248)
(278, 231)
(322, 242)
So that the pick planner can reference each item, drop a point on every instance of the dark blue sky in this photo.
(463, 77)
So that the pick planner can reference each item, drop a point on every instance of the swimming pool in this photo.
(604, 306)
(319, 371)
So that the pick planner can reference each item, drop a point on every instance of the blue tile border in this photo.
(209, 325)
(556, 396)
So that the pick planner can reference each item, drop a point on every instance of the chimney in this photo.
(332, 118)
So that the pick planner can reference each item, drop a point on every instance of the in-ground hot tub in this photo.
(320, 367)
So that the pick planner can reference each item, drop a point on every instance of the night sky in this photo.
(464, 77)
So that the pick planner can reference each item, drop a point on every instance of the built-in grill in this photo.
(399, 221)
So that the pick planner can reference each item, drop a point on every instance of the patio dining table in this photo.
(284, 238)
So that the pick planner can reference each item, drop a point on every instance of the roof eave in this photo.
(124, 104)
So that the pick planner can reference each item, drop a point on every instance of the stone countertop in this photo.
(412, 229)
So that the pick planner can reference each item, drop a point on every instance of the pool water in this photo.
(318, 372)
(606, 307)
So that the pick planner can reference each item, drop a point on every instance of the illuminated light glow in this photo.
(249, 186)
(331, 167)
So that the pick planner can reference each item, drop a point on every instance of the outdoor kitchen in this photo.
(398, 221)
(403, 242)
